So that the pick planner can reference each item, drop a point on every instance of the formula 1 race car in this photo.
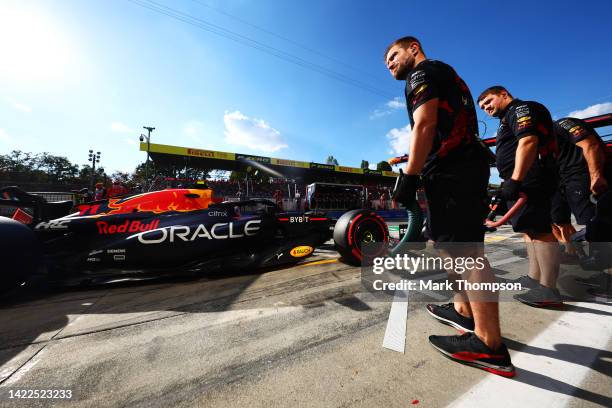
(167, 232)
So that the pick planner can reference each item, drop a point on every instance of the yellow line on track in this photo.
(326, 261)
(495, 239)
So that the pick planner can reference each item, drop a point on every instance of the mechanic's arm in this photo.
(526, 153)
(595, 158)
(423, 132)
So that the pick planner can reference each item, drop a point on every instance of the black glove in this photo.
(510, 189)
(405, 188)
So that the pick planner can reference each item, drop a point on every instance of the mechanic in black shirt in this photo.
(581, 172)
(526, 151)
(446, 151)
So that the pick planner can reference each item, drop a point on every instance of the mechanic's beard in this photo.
(402, 73)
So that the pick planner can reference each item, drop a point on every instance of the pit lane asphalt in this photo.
(302, 336)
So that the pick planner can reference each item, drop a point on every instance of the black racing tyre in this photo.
(360, 236)
(19, 253)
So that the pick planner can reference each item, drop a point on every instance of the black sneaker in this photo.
(446, 314)
(469, 349)
(527, 282)
(599, 280)
(541, 297)
(600, 292)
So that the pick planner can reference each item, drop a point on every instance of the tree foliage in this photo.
(383, 166)
(331, 160)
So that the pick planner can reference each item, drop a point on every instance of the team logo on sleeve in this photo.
(420, 89)
(417, 78)
(524, 122)
(522, 110)
(577, 131)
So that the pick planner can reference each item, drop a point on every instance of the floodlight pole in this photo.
(149, 129)
(93, 158)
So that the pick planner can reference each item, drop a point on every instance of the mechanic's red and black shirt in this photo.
(527, 118)
(570, 131)
(455, 143)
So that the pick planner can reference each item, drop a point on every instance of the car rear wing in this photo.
(31, 207)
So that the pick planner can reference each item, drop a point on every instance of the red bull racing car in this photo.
(173, 231)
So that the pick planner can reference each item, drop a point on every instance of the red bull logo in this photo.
(180, 200)
(104, 228)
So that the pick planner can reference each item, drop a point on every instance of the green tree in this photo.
(196, 174)
(58, 169)
(331, 160)
(122, 177)
(365, 164)
(18, 161)
(383, 166)
(84, 176)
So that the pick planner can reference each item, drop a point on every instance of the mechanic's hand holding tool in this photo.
(405, 188)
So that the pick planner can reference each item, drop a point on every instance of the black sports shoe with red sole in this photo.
(470, 350)
(528, 282)
(446, 314)
(541, 297)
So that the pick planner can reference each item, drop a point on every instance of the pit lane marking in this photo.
(549, 374)
(36, 357)
(395, 333)
(496, 238)
(325, 261)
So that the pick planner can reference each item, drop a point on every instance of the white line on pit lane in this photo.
(546, 377)
(395, 333)
(21, 371)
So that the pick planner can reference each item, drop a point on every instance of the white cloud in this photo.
(399, 140)
(372, 166)
(21, 106)
(4, 137)
(194, 130)
(396, 103)
(254, 133)
(131, 142)
(379, 114)
(391, 106)
(593, 110)
(121, 128)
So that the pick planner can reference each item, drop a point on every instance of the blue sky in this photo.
(77, 75)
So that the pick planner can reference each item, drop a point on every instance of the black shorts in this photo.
(573, 196)
(457, 208)
(535, 216)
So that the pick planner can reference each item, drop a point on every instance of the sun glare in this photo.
(32, 45)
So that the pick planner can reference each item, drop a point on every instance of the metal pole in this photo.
(93, 172)
(149, 130)
(93, 158)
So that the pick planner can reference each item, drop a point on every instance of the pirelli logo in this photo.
(211, 154)
(201, 153)
(349, 169)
